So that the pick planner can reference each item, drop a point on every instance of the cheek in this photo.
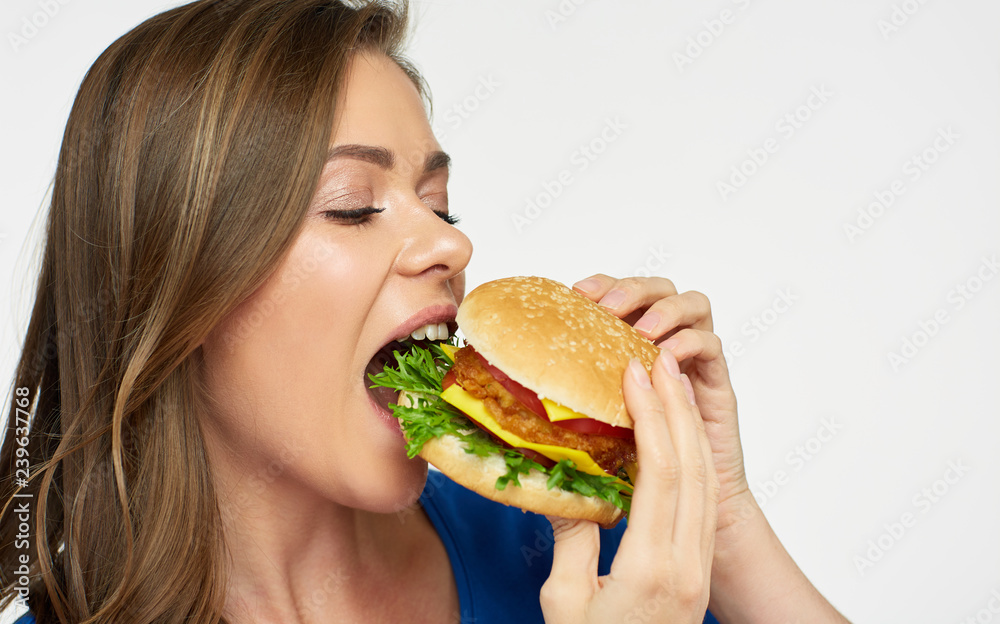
(285, 376)
(296, 336)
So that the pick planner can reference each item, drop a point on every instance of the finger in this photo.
(704, 349)
(712, 488)
(688, 309)
(654, 499)
(682, 421)
(595, 286)
(622, 297)
(575, 551)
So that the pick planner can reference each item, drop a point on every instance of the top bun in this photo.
(553, 340)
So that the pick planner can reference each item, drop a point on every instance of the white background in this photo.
(518, 91)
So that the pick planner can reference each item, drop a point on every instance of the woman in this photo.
(249, 204)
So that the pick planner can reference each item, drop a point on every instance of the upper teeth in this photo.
(431, 331)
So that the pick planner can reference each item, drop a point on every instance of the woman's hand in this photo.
(753, 577)
(662, 570)
(653, 306)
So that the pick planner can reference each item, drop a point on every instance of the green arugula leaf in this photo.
(419, 372)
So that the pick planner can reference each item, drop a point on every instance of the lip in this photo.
(386, 417)
(430, 314)
(441, 313)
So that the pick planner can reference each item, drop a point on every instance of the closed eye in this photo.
(353, 216)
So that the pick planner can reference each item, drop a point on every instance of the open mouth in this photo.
(383, 396)
(423, 336)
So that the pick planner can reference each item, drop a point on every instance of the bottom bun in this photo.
(480, 475)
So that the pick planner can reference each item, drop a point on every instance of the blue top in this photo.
(499, 554)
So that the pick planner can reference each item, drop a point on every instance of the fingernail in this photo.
(639, 374)
(613, 299)
(588, 285)
(669, 363)
(648, 322)
(688, 388)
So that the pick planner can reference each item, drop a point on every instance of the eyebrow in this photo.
(385, 158)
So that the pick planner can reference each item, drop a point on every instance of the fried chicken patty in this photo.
(609, 453)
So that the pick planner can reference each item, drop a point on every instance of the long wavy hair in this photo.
(192, 151)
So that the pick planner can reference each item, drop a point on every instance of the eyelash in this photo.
(354, 216)
(361, 216)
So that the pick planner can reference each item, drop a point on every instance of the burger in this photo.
(529, 410)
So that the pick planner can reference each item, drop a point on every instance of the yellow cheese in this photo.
(476, 410)
(559, 412)
(450, 350)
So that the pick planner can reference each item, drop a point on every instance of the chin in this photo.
(395, 486)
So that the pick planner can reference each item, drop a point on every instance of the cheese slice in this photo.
(450, 350)
(559, 412)
(476, 410)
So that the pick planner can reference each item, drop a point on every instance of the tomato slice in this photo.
(527, 398)
(594, 427)
(449, 379)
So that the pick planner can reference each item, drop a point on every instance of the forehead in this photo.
(380, 105)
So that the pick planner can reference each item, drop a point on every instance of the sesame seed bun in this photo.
(556, 342)
(480, 475)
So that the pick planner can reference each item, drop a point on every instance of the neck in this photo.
(297, 557)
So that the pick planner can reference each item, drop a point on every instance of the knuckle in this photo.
(667, 283)
(701, 299)
(631, 284)
(670, 307)
(714, 343)
(662, 467)
(698, 472)
(690, 590)
(553, 593)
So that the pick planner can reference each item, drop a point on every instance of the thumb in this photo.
(575, 550)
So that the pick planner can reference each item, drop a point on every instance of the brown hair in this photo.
(192, 151)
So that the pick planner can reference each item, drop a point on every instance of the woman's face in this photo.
(286, 372)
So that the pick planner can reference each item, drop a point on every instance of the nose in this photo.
(433, 247)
